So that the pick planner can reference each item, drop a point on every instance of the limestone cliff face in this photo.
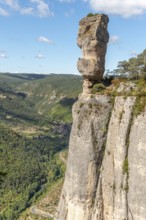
(106, 168)
(87, 143)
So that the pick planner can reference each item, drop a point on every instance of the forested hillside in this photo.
(35, 113)
(35, 122)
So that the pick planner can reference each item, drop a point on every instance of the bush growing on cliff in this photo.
(98, 88)
(139, 105)
(125, 166)
(90, 15)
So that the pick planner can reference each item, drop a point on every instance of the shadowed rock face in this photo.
(92, 39)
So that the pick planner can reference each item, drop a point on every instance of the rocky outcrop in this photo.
(106, 168)
(92, 39)
(86, 150)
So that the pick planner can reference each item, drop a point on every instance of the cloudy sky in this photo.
(39, 36)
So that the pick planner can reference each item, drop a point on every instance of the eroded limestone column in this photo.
(92, 39)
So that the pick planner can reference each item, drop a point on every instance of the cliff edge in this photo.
(106, 166)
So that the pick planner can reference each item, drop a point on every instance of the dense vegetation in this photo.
(35, 113)
(31, 97)
(26, 163)
(134, 68)
(54, 95)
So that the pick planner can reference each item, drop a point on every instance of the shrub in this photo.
(117, 81)
(81, 105)
(98, 88)
(90, 15)
(125, 166)
(90, 105)
(139, 105)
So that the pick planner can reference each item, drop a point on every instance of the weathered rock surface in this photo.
(114, 175)
(87, 143)
(92, 39)
(136, 195)
(106, 168)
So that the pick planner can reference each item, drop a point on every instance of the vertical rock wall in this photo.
(136, 194)
(106, 169)
(115, 163)
(86, 150)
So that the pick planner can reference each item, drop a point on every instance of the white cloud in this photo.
(3, 12)
(39, 56)
(125, 8)
(27, 11)
(12, 4)
(44, 40)
(38, 8)
(113, 39)
(3, 55)
(42, 8)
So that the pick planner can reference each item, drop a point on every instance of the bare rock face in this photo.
(86, 150)
(92, 39)
(106, 167)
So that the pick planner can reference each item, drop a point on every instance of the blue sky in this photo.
(39, 36)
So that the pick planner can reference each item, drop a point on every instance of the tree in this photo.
(134, 68)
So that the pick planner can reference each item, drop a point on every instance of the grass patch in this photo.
(91, 14)
(90, 105)
(125, 166)
(139, 105)
(81, 104)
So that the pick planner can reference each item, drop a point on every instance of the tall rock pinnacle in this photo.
(106, 165)
(92, 39)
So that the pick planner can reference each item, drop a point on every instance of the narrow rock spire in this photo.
(92, 39)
